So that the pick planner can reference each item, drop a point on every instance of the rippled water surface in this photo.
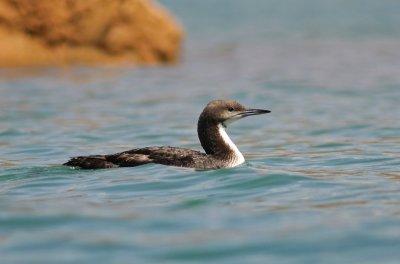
(322, 178)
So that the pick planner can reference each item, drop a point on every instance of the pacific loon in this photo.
(220, 151)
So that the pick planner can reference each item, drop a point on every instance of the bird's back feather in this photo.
(180, 157)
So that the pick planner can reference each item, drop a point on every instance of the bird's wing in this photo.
(161, 155)
(135, 157)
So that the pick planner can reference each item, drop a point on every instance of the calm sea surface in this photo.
(322, 178)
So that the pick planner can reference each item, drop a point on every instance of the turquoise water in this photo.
(322, 178)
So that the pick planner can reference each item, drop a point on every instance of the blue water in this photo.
(322, 178)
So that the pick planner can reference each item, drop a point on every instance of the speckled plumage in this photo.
(220, 151)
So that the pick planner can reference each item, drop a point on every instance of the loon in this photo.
(220, 151)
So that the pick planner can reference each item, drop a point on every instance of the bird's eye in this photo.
(230, 109)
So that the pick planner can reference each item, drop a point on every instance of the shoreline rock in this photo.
(90, 32)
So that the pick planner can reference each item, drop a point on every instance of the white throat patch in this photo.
(238, 157)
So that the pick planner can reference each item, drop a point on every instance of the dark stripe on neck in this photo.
(211, 140)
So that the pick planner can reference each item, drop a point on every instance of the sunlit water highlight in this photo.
(322, 177)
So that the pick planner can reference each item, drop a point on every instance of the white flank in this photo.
(238, 158)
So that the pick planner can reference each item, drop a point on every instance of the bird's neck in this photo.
(216, 142)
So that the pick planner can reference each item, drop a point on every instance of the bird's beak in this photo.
(247, 112)
(250, 112)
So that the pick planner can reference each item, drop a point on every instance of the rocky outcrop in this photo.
(58, 32)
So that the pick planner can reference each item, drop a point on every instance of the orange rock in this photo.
(44, 32)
